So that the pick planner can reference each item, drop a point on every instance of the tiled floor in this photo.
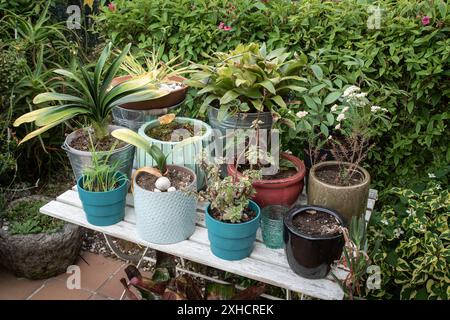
(99, 281)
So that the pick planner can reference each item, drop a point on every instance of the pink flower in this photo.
(227, 28)
(111, 7)
(221, 25)
(426, 20)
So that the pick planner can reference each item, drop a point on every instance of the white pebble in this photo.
(162, 183)
(171, 189)
(156, 190)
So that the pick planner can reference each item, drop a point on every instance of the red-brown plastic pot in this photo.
(278, 191)
(173, 98)
(308, 256)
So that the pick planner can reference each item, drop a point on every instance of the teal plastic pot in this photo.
(232, 241)
(104, 208)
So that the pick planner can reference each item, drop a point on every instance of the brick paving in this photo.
(99, 281)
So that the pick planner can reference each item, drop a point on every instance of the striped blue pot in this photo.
(104, 208)
(232, 241)
(184, 157)
(165, 217)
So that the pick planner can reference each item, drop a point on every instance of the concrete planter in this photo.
(349, 201)
(42, 255)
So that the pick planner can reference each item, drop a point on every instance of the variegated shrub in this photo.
(412, 244)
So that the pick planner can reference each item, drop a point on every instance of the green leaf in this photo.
(324, 129)
(269, 86)
(332, 97)
(53, 96)
(228, 97)
(66, 112)
(317, 71)
(310, 103)
(33, 115)
(279, 101)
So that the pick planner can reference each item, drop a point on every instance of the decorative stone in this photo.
(171, 189)
(42, 255)
(162, 183)
(156, 190)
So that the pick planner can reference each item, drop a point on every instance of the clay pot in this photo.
(279, 191)
(173, 98)
(349, 201)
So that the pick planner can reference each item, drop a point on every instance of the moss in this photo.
(25, 218)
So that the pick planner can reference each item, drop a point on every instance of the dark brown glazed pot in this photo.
(349, 201)
(173, 98)
(308, 256)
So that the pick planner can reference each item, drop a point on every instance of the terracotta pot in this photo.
(349, 201)
(279, 191)
(173, 98)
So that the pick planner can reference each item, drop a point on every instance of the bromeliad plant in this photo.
(228, 196)
(157, 70)
(249, 79)
(89, 94)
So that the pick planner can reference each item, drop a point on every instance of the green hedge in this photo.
(404, 65)
(411, 243)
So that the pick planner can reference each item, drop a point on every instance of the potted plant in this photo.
(164, 75)
(165, 209)
(282, 181)
(87, 94)
(166, 133)
(103, 191)
(34, 245)
(343, 185)
(232, 219)
(313, 240)
(246, 84)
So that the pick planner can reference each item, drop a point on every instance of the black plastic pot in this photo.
(308, 256)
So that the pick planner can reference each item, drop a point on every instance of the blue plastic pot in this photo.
(232, 241)
(104, 208)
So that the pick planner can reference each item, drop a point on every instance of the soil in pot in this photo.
(316, 223)
(82, 142)
(178, 179)
(283, 173)
(166, 132)
(247, 215)
(332, 175)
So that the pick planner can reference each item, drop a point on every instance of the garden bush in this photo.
(404, 64)
(412, 243)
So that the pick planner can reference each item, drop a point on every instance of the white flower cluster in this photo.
(398, 232)
(302, 114)
(377, 108)
(351, 91)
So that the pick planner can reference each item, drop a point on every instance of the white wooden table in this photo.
(264, 264)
